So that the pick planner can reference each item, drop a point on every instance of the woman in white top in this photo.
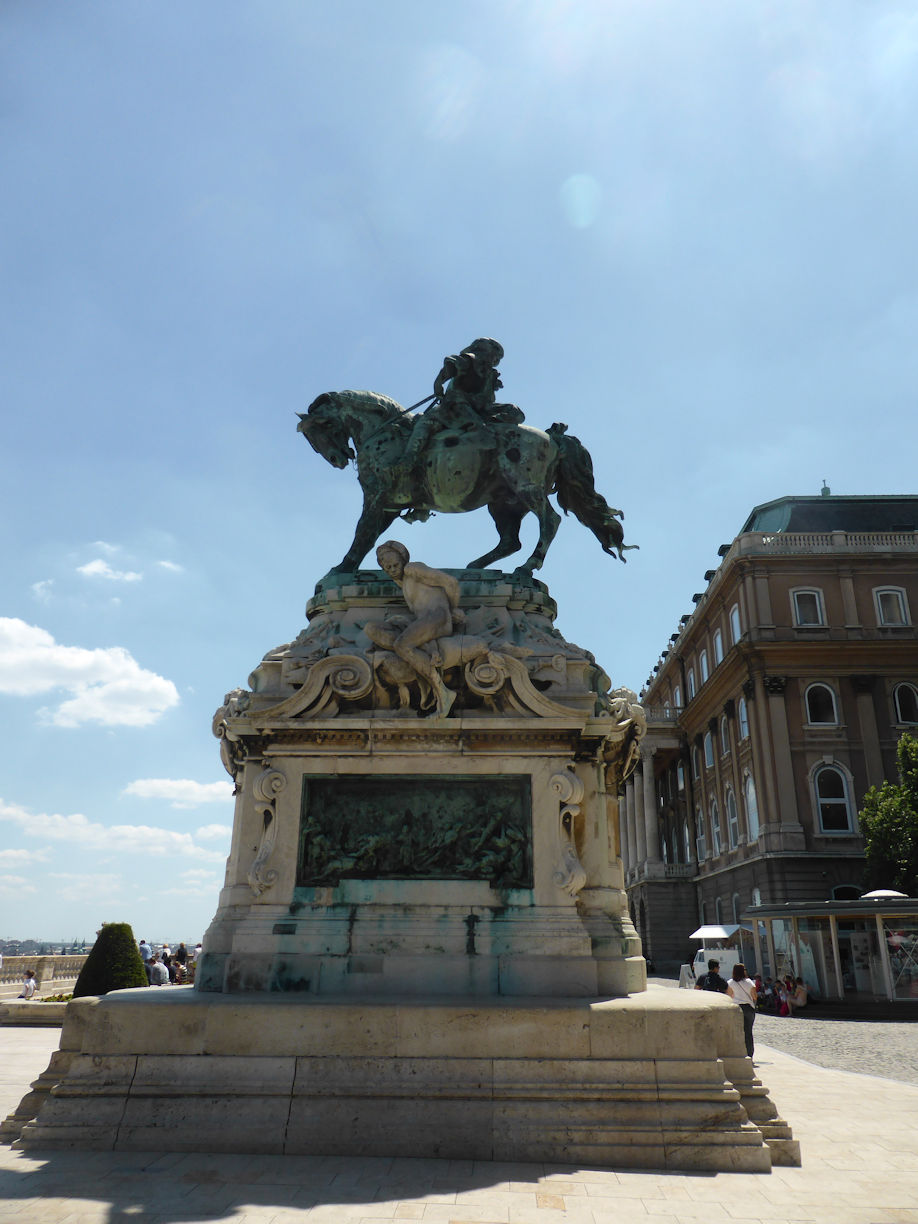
(741, 990)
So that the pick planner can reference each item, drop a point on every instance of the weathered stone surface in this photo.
(568, 1080)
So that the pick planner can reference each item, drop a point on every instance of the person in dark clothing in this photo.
(712, 979)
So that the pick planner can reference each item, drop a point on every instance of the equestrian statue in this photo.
(465, 451)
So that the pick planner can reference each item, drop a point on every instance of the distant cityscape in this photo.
(44, 947)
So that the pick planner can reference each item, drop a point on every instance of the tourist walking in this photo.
(741, 990)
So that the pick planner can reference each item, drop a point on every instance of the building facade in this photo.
(778, 702)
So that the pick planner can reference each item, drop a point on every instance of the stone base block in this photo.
(657, 1080)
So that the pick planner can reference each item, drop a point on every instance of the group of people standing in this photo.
(779, 997)
(166, 967)
(740, 988)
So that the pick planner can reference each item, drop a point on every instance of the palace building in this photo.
(777, 703)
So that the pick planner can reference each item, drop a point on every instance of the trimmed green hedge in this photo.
(113, 962)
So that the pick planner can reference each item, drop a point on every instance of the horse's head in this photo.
(325, 431)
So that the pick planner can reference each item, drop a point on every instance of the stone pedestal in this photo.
(381, 850)
(638, 1083)
(422, 946)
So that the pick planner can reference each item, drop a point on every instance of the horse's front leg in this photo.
(373, 521)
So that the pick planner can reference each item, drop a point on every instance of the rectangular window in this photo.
(891, 607)
(808, 608)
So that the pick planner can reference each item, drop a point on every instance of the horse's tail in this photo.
(576, 492)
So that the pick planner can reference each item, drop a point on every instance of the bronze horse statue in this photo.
(509, 468)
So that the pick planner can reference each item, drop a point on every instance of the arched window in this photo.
(680, 776)
(892, 608)
(752, 809)
(757, 896)
(715, 827)
(724, 735)
(718, 647)
(696, 770)
(736, 631)
(832, 800)
(677, 697)
(686, 841)
(742, 713)
(737, 908)
(820, 705)
(732, 821)
(808, 609)
(703, 666)
(701, 842)
(690, 681)
(708, 750)
(719, 912)
(906, 697)
(664, 848)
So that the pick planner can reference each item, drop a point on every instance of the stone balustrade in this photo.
(48, 969)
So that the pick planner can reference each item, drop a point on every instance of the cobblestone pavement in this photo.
(889, 1049)
(871, 1047)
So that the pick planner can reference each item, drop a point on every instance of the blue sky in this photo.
(692, 227)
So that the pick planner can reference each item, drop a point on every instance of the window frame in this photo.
(677, 696)
(753, 825)
(820, 608)
(827, 767)
(708, 745)
(718, 643)
(742, 716)
(690, 683)
(902, 598)
(736, 624)
(701, 838)
(913, 690)
(822, 722)
(704, 669)
(724, 735)
(717, 842)
(733, 829)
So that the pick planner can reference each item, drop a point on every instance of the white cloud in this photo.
(102, 569)
(104, 546)
(10, 857)
(212, 831)
(172, 566)
(107, 686)
(91, 835)
(76, 886)
(17, 884)
(42, 590)
(180, 792)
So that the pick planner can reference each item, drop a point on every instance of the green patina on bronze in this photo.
(416, 828)
(465, 451)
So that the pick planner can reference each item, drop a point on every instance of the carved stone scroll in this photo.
(267, 786)
(569, 874)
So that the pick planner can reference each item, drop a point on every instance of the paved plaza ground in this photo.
(858, 1133)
